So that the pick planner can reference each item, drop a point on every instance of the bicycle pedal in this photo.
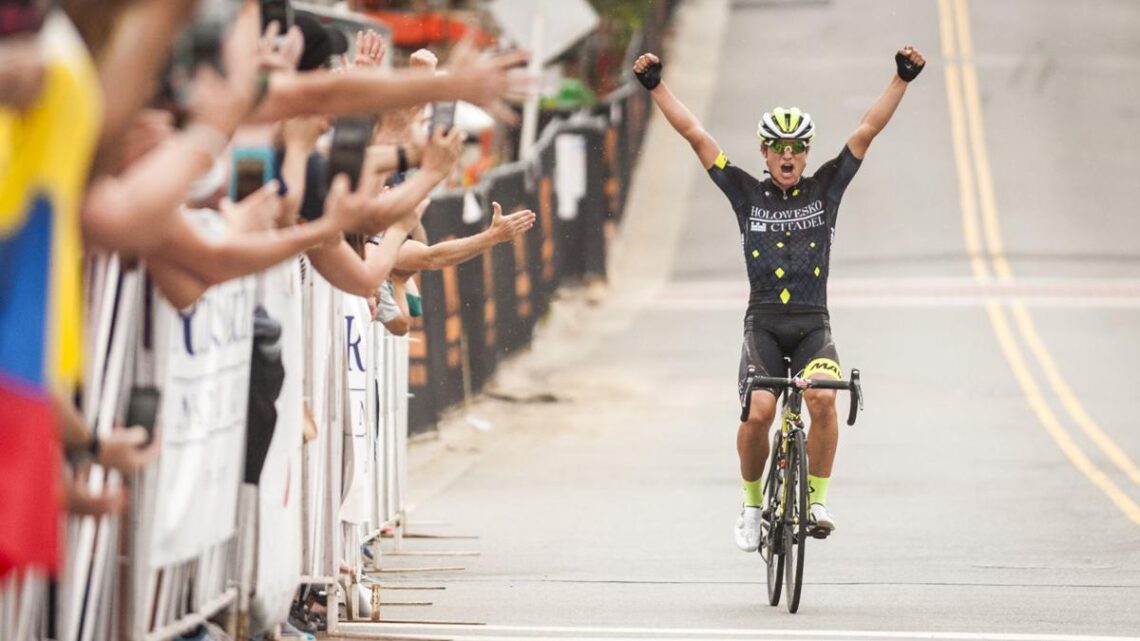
(819, 533)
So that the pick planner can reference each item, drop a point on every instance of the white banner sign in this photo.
(203, 355)
(279, 487)
(357, 504)
(569, 173)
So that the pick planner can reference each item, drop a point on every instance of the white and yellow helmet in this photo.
(785, 124)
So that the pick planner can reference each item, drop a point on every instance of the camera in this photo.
(442, 115)
(350, 139)
(252, 168)
(142, 409)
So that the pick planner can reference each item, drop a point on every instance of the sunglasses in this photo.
(797, 146)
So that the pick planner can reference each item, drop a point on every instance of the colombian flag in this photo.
(45, 154)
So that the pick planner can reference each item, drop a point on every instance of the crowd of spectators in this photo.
(204, 141)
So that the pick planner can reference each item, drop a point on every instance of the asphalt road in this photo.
(986, 280)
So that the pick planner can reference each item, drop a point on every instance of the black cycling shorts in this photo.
(802, 337)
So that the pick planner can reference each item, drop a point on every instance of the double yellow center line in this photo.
(987, 261)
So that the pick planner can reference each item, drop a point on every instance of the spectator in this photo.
(48, 130)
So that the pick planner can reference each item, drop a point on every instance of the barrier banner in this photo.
(279, 486)
(322, 450)
(356, 505)
(568, 251)
(592, 205)
(388, 363)
(203, 360)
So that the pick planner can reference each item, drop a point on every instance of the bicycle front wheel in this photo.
(795, 519)
(772, 539)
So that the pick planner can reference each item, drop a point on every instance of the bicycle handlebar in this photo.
(753, 381)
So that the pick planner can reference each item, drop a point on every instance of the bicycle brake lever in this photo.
(857, 397)
(746, 401)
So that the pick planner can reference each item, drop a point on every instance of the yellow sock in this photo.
(753, 497)
(817, 489)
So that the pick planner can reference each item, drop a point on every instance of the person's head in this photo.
(21, 55)
(321, 42)
(785, 138)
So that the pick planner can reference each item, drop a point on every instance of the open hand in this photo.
(487, 81)
(370, 49)
(504, 228)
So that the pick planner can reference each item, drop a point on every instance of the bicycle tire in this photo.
(773, 537)
(795, 523)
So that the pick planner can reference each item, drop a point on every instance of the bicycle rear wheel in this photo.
(796, 518)
(771, 542)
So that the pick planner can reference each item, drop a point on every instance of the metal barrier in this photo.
(477, 313)
(334, 475)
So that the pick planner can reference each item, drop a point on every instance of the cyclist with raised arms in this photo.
(787, 223)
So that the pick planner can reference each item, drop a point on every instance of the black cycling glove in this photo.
(651, 77)
(907, 70)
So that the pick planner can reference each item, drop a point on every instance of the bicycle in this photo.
(785, 485)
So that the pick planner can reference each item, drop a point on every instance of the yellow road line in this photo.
(965, 176)
(962, 22)
(1001, 267)
(946, 30)
(1068, 398)
(961, 83)
(961, 157)
(1049, 420)
(985, 178)
(978, 144)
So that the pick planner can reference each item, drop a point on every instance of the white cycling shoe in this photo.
(747, 531)
(821, 518)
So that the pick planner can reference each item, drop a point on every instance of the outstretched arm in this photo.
(910, 62)
(416, 256)
(648, 70)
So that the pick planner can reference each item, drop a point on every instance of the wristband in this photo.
(651, 77)
(907, 70)
(401, 159)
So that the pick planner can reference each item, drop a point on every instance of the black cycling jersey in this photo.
(787, 235)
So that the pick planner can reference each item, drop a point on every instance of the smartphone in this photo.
(442, 115)
(252, 168)
(279, 11)
(142, 409)
(350, 139)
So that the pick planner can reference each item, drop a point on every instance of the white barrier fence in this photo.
(196, 543)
